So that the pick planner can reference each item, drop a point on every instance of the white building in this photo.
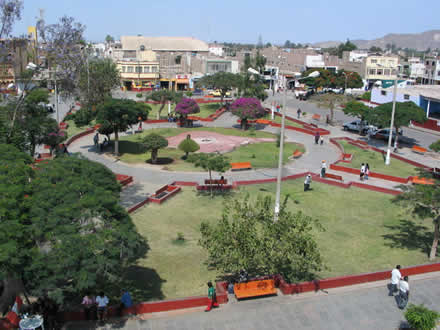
(216, 49)
(357, 56)
(314, 61)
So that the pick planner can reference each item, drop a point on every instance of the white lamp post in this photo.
(390, 137)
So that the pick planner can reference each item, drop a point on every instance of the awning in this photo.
(182, 81)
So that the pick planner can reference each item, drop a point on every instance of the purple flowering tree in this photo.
(186, 107)
(53, 139)
(247, 108)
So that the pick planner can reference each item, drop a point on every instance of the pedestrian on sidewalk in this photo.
(317, 135)
(299, 113)
(96, 140)
(362, 172)
(367, 171)
(307, 182)
(323, 168)
(395, 278)
(126, 301)
(88, 303)
(140, 124)
(212, 297)
(403, 292)
(102, 302)
(321, 140)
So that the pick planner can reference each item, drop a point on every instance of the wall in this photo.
(377, 97)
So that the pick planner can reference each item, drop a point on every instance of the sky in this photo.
(304, 21)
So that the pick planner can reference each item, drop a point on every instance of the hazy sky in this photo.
(241, 20)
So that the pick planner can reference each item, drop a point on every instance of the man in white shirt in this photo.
(403, 292)
(323, 168)
(307, 182)
(395, 278)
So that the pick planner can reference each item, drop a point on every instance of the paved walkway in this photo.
(365, 306)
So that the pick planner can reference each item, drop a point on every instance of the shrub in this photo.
(366, 96)
(188, 145)
(187, 106)
(189, 94)
(139, 95)
(435, 146)
(421, 318)
(247, 108)
(83, 117)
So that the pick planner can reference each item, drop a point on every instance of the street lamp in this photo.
(390, 137)
(313, 74)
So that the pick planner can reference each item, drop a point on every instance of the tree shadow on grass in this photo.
(409, 235)
(161, 161)
(143, 283)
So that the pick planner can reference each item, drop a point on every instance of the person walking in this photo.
(362, 172)
(321, 140)
(102, 302)
(403, 292)
(307, 182)
(395, 278)
(96, 140)
(299, 113)
(317, 136)
(323, 168)
(212, 297)
(367, 171)
(126, 301)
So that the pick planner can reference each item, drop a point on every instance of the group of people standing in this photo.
(96, 307)
(365, 171)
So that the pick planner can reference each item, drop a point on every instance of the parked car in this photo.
(383, 134)
(218, 93)
(356, 125)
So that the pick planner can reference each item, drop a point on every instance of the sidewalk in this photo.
(364, 306)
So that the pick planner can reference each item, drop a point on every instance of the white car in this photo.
(356, 125)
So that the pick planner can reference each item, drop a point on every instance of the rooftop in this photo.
(164, 43)
(427, 91)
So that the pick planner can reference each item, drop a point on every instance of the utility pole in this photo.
(390, 137)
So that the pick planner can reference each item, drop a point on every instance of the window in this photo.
(433, 63)
(138, 69)
(178, 59)
(123, 68)
(373, 61)
(426, 71)
(393, 72)
(384, 93)
(146, 69)
(427, 62)
(386, 72)
(379, 72)
(154, 68)
(406, 96)
(372, 71)
(129, 69)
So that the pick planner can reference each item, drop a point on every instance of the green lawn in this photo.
(365, 232)
(73, 129)
(261, 155)
(206, 109)
(377, 162)
(278, 119)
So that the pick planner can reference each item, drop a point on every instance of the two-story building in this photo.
(432, 71)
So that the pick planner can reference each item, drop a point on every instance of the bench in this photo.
(419, 150)
(241, 166)
(297, 153)
(207, 181)
(316, 117)
(333, 176)
(164, 193)
(418, 180)
(255, 289)
(263, 121)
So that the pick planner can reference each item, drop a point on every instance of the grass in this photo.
(277, 119)
(377, 162)
(365, 232)
(73, 129)
(261, 155)
(206, 109)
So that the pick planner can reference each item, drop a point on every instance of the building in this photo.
(179, 57)
(425, 96)
(416, 67)
(216, 49)
(15, 55)
(139, 72)
(380, 69)
(432, 71)
(321, 61)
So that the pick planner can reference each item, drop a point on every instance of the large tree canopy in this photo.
(247, 108)
(223, 81)
(63, 231)
(247, 238)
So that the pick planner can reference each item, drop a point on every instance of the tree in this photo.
(260, 62)
(347, 46)
(245, 237)
(10, 11)
(120, 114)
(97, 81)
(351, 79)
(375, 49)
(247, 108)
(435, 146)
(329, 101)
(164, 96)
(210, 162)
(424, 201)
(405, 113)
(421, 318)
(109, 39)
(186, 107)
(153, 142)
(358, 110)
(252, 86)
(223, 81)
(287, 44)
(188, 145)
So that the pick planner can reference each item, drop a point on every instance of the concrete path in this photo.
(365, 306)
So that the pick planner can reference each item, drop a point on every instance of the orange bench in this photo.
(333, 176)
(241, 166)
(419, 150)
(316, 117)
(255, 289)
(263, 121)
(297, 153)
(418, 180)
